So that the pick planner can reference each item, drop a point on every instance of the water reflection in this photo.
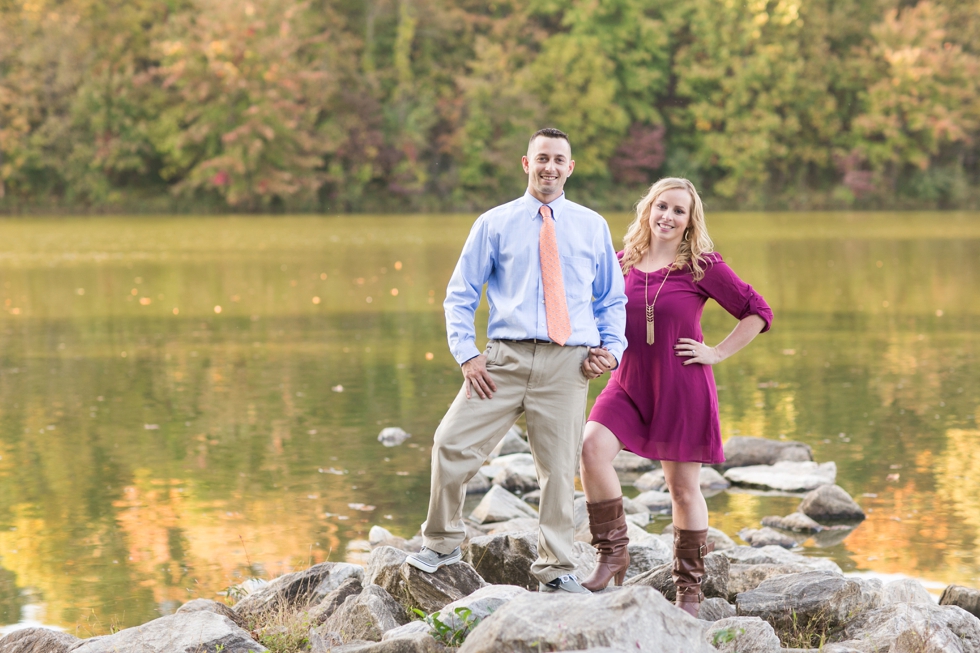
(189, 402)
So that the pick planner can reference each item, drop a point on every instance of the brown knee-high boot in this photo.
(607, 522)
(690, 548)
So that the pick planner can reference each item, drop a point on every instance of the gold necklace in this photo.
(646, 302)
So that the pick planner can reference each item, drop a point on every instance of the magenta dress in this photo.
(658, 407)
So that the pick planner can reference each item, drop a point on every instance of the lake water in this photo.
(186, 402)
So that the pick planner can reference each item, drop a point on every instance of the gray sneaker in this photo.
(566, 583)
(428, 560)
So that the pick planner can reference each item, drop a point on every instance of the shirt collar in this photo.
(533, 205)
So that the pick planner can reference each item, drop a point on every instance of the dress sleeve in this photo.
(721, 284)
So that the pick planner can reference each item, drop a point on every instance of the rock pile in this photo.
(763, 598)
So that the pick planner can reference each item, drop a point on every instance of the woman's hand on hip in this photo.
(696, 352)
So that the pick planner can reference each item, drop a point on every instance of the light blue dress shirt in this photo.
(502, 252)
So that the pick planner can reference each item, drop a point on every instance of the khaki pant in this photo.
(545, 382)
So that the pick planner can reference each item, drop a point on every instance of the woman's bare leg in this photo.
(599, 479)
(684, 481)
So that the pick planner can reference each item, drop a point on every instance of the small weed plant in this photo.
(726, 635)
(448, 633)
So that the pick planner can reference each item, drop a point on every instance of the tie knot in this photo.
(545, 211)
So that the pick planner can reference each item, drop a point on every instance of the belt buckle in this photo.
(702, 550)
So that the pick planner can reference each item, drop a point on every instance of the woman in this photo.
(661, 401)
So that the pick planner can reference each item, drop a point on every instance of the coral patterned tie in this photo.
(555, 308)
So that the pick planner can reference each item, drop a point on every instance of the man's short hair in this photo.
(550, 132)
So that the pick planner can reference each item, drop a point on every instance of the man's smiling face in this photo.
(548, 164)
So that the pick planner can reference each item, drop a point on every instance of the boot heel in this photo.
(620, 576)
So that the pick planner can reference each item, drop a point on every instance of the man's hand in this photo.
(598, 362)
(476, 376)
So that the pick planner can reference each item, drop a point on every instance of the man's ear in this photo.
(571, 167)
(526, 164)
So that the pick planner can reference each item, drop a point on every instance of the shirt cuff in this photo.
(464, 351)
(617, 351)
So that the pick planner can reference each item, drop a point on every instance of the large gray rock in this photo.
(584, 557)
(640, 519)
(512, 442)
(410, 628)
(465, 614)
(795, 521)
(743, 451)
(408, 643)
(207, 605)
(914, 628)
(631, 507)
(641, 536)
(366, 616)
(383, 567)
(655, 501)
(519, 525)
(644, 557)
(785, 476)
(298, 590)
(517, 473)
(742, 578)
(652, 480)
(709, 479)
(534, 498)
(322, 610)
(514, 460)
(479, 484)
(775, 555)
(417, 589)
(715, 608)
(626, 461)
(905, 590)
(518, 478)
(37, 640)
(742, 635)
(635, 619)
(964, 597)
(380, 536)
(816, 601)
(759, 537)
(504, 559)
(500, 505)
(714, 583)
(831, 503)
(191, 632)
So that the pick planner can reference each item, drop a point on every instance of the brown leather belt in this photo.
(537, 341)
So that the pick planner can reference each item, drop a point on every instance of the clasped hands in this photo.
(598, 362)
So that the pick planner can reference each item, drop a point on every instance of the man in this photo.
(557, 319)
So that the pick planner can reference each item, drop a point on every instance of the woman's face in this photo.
(670, 215)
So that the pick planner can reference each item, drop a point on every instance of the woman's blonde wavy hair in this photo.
(695, 244)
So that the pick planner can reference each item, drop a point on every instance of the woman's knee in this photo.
(596, 450)
(684, 494)
(590, 451)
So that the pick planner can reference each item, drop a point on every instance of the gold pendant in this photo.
(649, 325)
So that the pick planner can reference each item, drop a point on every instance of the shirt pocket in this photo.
(578, 273)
